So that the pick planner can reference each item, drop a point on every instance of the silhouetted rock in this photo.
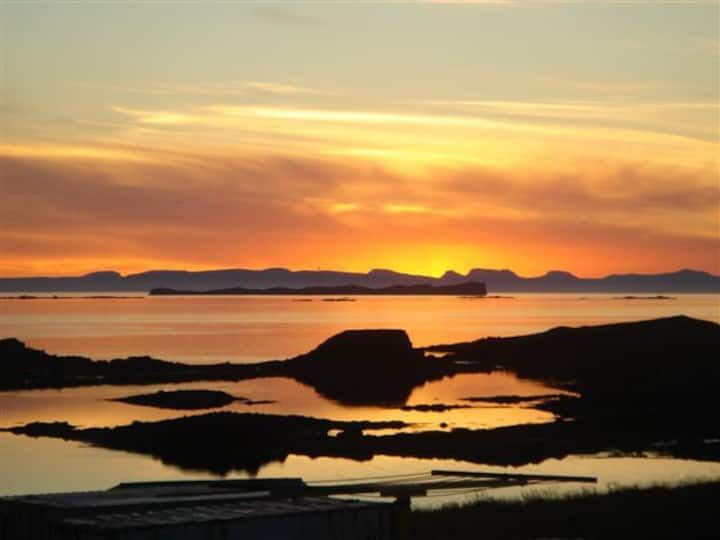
(649, 375)
(219, 442)
(511, 400)
(222, 442)
(655, 355)
(363, 366)
(366, 366)
(24, 368)
(183, 399)
(434, 407)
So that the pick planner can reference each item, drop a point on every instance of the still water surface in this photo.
(199, 329)
(205, 329)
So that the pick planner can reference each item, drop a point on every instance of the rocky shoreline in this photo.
(643, 387)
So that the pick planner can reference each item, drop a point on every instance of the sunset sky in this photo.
(417, 136)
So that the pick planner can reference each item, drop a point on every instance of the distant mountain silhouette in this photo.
(560, 281)
(690, 281)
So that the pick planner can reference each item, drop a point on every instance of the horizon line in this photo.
(367, 272)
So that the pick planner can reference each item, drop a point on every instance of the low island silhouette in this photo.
(469, 288)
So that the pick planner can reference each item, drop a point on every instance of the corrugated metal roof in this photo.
(255, 508)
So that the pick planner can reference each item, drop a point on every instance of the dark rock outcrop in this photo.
(511, 400)
(657, 355)
(366, 366)
(659, 375)
(354, 367)
(22, 367)
(183, 399)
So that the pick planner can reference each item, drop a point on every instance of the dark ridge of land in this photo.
(486, 297)
(660, 512)
(220, 442)
(629, 375)
(511, 400)
(656, 297)
(469, 288)
(223, 441)
(633, 358)
(627, 364)
(366, 367)
(23, 368)
(354, 367)
(185, 399)
(434, 407)
(683, 281)
(56, 297)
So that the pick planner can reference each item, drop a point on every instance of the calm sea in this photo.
(204, 329)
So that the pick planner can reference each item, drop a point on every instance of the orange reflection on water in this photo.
(92, 406)
(205, 329)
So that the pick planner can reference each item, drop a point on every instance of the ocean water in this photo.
(200, 329)
(206, 329)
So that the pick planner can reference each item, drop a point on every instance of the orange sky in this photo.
(337, 138)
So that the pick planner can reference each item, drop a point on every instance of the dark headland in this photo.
(353, 367)
(643, 387)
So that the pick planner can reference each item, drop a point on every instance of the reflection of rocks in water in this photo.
(366, 366)
(640, 384)
(223, 441)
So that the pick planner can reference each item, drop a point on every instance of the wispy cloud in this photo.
(280, 13)
(94, 212)
(707, 45)
(691, 118)
(394, 208)
(71, 152)
(552, 2)
(214, 89)
(278, 88)
(487, 132)
(573, 109)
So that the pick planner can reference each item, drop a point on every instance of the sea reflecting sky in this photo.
(200, 329)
